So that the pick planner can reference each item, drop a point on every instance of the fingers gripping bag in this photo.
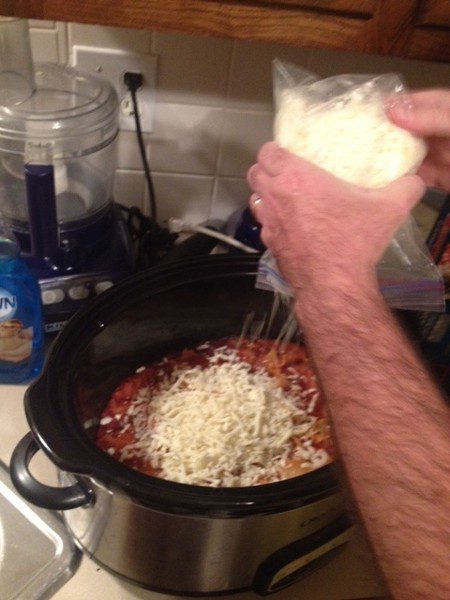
(340, 124)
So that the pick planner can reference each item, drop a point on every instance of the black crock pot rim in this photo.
(76, 453)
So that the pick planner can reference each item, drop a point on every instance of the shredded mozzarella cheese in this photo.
(223, 425)
(351, 137)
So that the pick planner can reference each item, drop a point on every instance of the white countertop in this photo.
(349, 575)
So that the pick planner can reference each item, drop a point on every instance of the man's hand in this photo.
(320, 228)
(427, 114)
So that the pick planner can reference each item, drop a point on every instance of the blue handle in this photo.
(41, 197)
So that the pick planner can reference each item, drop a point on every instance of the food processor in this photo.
(58, 129)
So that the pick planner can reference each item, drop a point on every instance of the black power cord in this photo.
(151, 242)
(134, 81)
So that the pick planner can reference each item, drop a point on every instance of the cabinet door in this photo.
(434, 13)
(408, 28)
(431, 33)
(355, 7)
(416, 28)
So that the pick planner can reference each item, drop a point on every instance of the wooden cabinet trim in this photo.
(361, 8)
(212, 17)
(404, 28)
(434, 13)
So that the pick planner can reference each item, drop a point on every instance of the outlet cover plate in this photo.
(112, 64)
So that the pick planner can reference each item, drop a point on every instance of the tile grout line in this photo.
(69, 42)
(150, 42)
(141, 199)
(231, 66)
(213, 196)
(185, 174)
(216, 106)
(222, 127)
(62, 29)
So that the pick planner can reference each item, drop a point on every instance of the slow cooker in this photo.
(166, 536)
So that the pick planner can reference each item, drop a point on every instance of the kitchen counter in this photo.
(349, 575)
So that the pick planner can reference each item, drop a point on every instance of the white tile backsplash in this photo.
(185, 139)
(63, 49)
(214, 108)
(251, 73)
(44, 45)
(417, 74)
(133, 40)
(128, 155)
(192, 70)
(129, 188)
(185, 196)
(229, 195)
(243, 133)
(41, 24)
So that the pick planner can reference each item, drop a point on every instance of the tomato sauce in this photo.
(287, 363)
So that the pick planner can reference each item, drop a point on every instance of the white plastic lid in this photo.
(71, 113)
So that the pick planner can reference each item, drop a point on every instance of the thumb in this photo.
(423, 113)
(403, 194)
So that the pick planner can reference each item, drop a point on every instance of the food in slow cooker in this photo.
(229, 413)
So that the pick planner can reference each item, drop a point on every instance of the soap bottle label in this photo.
(16, 334)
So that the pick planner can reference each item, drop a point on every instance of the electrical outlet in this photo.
(112, 64)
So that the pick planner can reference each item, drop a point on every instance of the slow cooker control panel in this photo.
(298, 559)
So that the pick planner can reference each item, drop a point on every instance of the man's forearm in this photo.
(392, 428)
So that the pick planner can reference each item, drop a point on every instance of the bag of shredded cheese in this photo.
(340, 124)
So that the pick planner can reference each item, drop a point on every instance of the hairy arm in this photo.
(391, 424)
(393, 433)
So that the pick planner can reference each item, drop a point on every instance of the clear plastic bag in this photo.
(340, 124)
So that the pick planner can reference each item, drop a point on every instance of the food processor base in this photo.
(99, 253)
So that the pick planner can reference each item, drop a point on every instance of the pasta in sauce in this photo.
(275, 429)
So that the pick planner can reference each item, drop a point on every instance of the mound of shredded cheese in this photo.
(351, 136)
(223, 425)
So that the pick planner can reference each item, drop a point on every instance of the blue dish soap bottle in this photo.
(21, 336)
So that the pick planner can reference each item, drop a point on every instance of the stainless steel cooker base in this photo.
(191, 555)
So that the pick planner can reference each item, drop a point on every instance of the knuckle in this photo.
(273, 159)
(289, 183)
(252, 175)
(268, 152)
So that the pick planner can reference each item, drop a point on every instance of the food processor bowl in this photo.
(71, 122)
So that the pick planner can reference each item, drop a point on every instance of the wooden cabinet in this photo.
(430, 35)
(406, 28)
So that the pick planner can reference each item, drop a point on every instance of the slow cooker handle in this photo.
(37, 493)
